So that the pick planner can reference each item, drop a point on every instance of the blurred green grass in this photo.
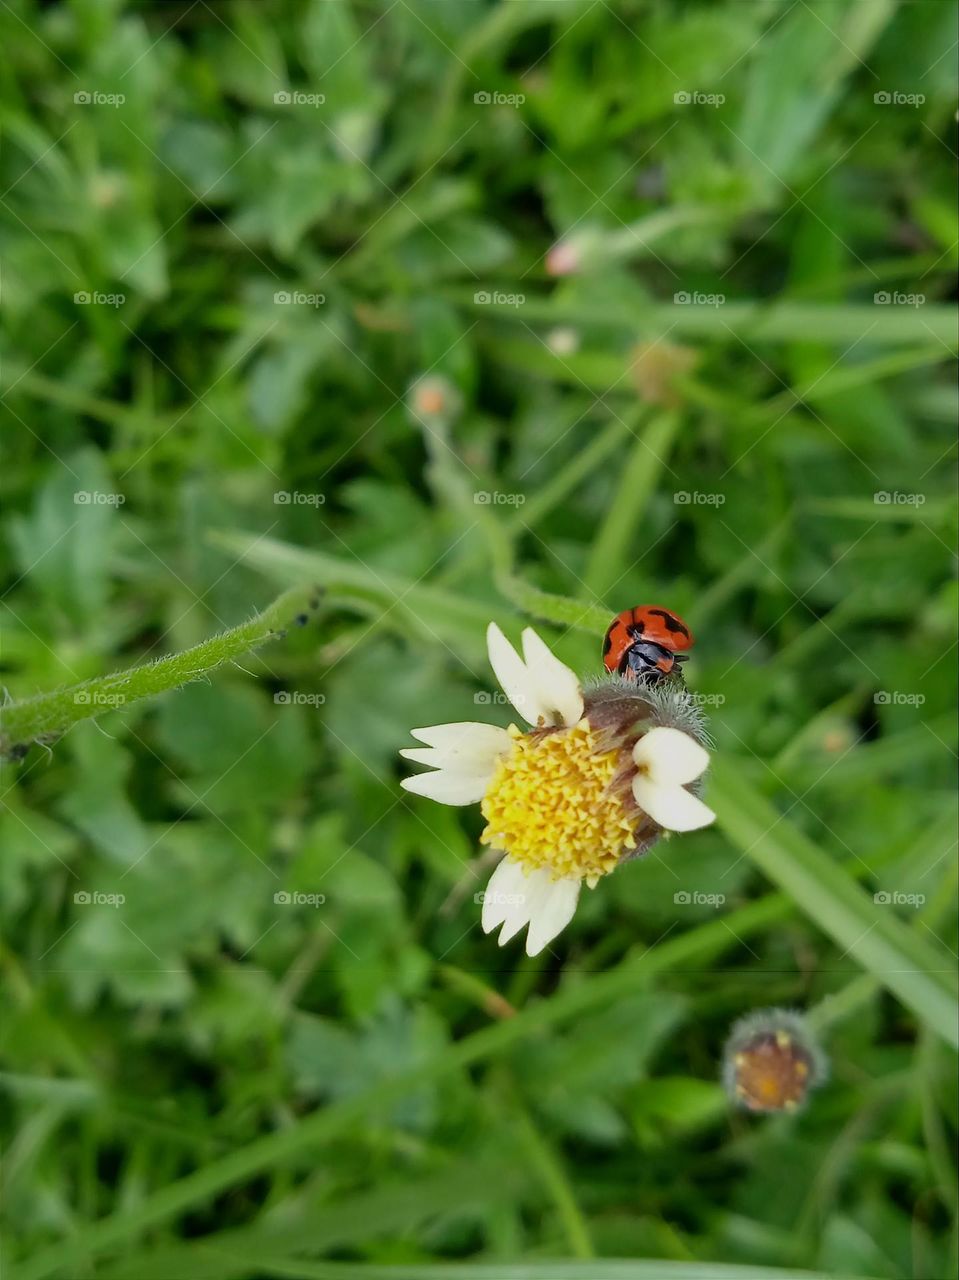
(740, 403)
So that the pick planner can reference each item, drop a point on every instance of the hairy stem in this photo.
(47, 715)
(560, 610)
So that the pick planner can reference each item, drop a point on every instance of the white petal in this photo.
(670, 756)
(552, 914)
(514, 923)
(504, 893)
(447, 787)
(425, 755)
(506, 900)
(532, 889)
(465, 736)
(673, 808)
(468, 761)
(466, 748)
(515, 681)
(557, 685)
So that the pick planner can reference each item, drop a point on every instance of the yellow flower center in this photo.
(550, 804)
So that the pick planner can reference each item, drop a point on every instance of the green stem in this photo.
(757, 321)
(842, 1004)
(47, 715)
(614, 546)
(583, 463)
(550, 1169)
(560, 610)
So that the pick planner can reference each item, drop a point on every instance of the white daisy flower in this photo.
(597, 778)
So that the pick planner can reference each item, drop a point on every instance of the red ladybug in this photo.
(646, 642)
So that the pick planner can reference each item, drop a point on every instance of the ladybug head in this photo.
(646, 660)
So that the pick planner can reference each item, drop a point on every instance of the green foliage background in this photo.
(206, 1082)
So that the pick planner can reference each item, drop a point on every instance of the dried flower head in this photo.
(597, 778)
(772, 1061)
(433, 400)
(657, 366)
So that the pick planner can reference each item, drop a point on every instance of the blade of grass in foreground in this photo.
(592, 1269)
(914, 969)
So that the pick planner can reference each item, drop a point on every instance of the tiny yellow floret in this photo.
(550, 804)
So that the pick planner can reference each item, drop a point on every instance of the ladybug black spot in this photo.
(671, 623)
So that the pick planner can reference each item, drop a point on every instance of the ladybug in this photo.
(646, 643)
